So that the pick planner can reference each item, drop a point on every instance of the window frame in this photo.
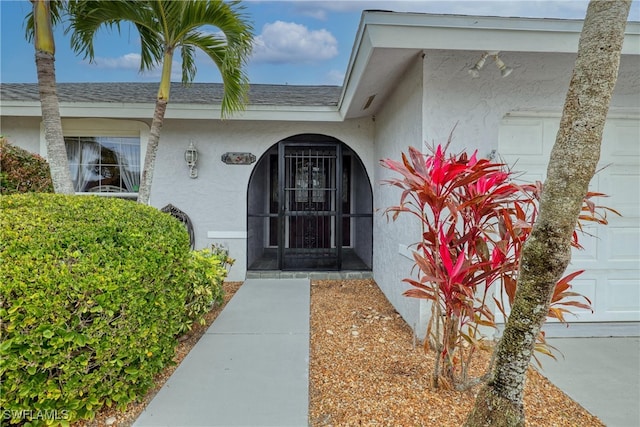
(103, 128)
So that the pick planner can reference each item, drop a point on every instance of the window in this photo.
(104, 164)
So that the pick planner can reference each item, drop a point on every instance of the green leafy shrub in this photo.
(22, 171)
(93, 297)
(207, 270)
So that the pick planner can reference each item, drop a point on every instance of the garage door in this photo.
(611, 256)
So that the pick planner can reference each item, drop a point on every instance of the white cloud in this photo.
(288, 42)
(129, 61)
(319, 13)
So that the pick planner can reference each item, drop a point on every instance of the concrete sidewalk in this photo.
(601, 374)
(251, 368)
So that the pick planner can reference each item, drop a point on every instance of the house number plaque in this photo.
(238, 158)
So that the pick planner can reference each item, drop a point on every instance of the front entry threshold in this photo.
(313, 275)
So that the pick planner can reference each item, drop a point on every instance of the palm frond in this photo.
(166, 25)
(229, 63)
(88, 17)
(189, 68)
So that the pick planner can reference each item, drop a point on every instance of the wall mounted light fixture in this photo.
(191, 157)
(474, 71)
(504, 70)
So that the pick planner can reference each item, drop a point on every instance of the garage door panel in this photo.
(623, 296)
(611, 258)
(621, 142)
(590, 241)
(522, 138)
(622, 186)
(623, 245)
(526, 174)
(530, 173)
(585, 286)
(614, 296)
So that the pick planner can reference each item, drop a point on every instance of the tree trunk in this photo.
(144, 192)
(45, 65)
(547, 252)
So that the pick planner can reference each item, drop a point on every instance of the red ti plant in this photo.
(475, 220)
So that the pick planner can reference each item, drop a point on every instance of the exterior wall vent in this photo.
(369, 101)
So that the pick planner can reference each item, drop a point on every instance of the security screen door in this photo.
(310, 213)
(309, 207)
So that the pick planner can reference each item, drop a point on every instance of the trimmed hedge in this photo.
(22, 171)
(93, 297)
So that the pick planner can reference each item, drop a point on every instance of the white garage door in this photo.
(611, 257)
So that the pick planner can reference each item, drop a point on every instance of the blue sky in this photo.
(296, 42)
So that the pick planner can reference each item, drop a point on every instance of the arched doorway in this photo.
(310, 207)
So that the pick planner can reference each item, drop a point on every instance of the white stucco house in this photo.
(311, 200)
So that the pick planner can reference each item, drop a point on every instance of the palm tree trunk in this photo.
(146, 179)
(45, 65)
(144, 192)
(547, 252)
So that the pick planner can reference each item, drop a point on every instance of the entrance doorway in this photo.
(310, 207)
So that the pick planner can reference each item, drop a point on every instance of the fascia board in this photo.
(356, 70)
(355, 54)
(472, 21)
(72, 109)
(289, 114)
(254, 112)
(496, 23)
(485, 39)
(443, 38)
(175, 111)
(20, 108)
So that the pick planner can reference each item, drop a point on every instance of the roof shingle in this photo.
(196, 93)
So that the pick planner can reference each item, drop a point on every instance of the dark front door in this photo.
(311, 208)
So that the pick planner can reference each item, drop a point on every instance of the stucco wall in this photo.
(217, 200)
(22, 131)
(398, 126)
(475, 107)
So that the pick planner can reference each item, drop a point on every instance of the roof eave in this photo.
(411, 33)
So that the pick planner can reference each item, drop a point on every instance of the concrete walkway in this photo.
(251, 368)
(601, 374)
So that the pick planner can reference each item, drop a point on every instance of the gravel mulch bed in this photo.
(366, 369)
